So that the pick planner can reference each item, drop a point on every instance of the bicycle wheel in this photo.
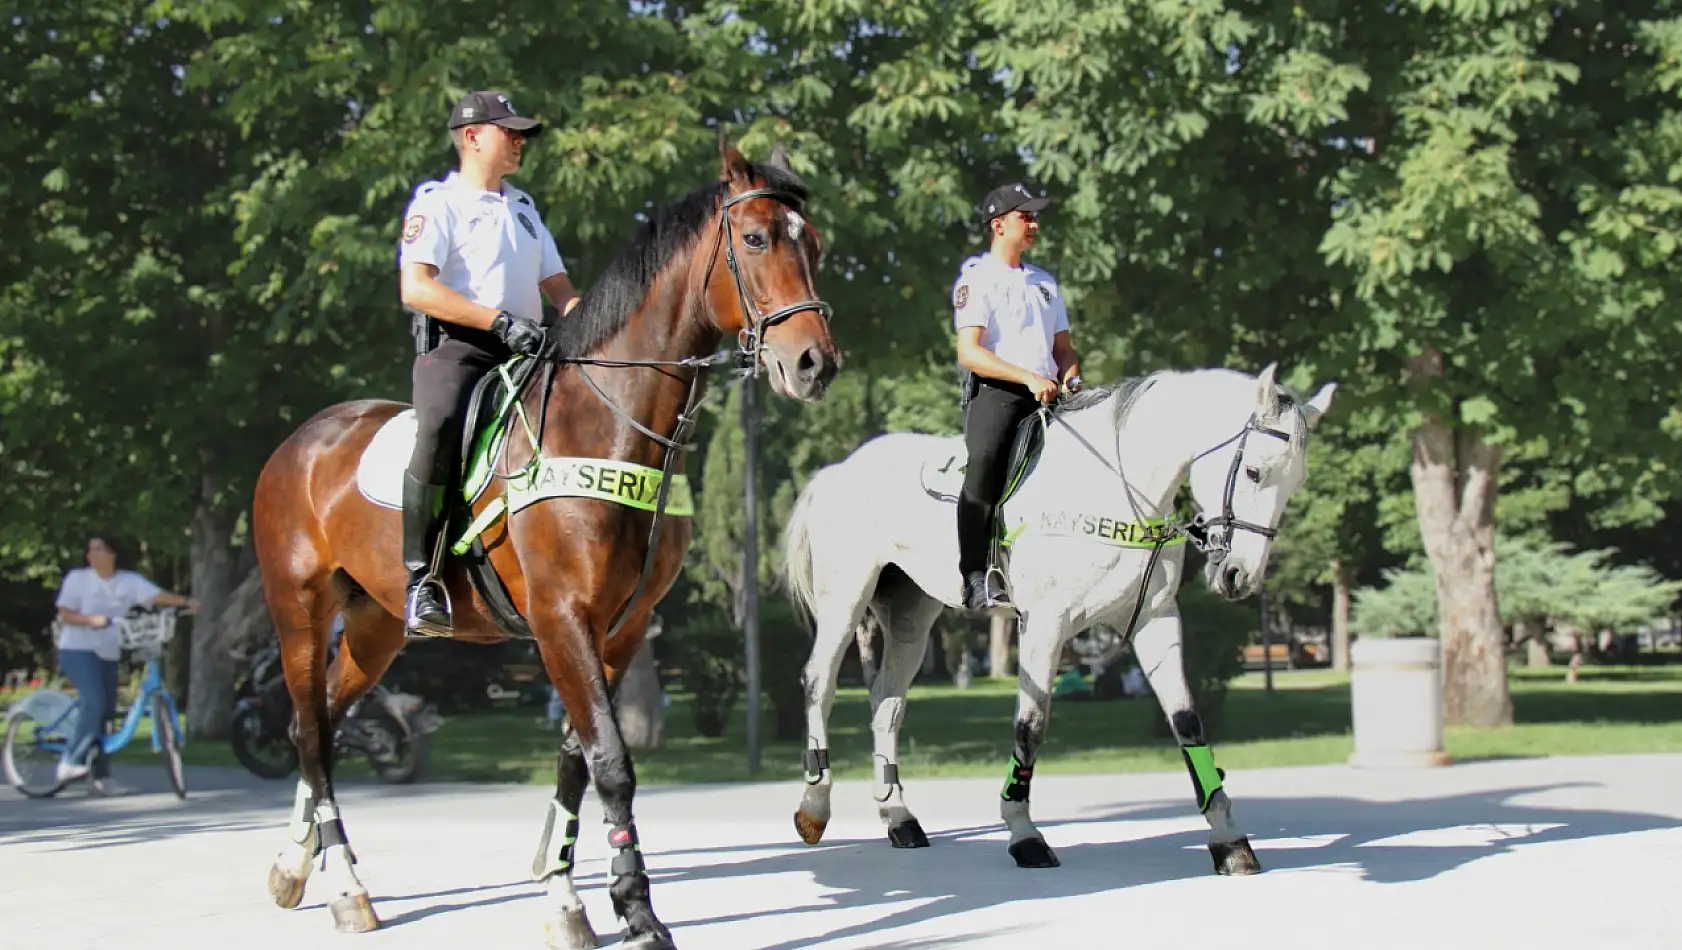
(169, 743)
(30, 769)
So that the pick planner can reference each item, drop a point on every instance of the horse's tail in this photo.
(797, 549)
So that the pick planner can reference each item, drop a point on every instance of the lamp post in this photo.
(750, 559)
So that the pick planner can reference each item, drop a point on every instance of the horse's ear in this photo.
(1318, 405)
(1265, 386)
(732, 166)
(779, 158)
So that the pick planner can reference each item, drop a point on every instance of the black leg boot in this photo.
(422, 508)
(983, 587)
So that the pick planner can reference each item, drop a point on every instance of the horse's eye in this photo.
(1252, 473)
(755, 240)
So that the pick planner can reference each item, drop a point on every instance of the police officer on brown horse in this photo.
(476, 261)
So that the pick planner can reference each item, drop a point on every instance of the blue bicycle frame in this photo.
(151, 684)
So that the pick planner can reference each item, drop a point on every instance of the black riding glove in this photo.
(521, 335)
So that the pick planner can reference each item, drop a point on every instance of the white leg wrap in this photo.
(336, 857)
(301, 826)
(550, 862)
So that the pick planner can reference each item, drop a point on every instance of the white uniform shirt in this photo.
(85, 592)
(1020, 311)
(491, 248)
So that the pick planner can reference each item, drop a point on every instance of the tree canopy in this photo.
(1468, 213)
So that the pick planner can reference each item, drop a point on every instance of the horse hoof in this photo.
(353, 914)
(658, 940)
(570, 930)
(907, 834)
(286, 888)
(1237, 858)
(809, 828)
(1033, 853)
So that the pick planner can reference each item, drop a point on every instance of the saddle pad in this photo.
(379, 473)
(942, 474)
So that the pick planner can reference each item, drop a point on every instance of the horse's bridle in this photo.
(751, 338)
(749, 342)
(1198, 532)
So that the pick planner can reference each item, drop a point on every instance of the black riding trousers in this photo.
(995, 410)
(443, 378)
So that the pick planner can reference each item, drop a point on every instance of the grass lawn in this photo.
(951, 732)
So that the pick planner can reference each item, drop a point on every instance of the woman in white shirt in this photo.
(88, 601)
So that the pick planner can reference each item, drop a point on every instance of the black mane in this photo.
(607, 306)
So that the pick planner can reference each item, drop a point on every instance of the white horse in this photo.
(1087, 528)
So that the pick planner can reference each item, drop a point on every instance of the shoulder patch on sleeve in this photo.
(1045, 291)
(962, 296)
(413, 227)
(526, 199)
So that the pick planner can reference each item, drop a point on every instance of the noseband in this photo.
(751, 339)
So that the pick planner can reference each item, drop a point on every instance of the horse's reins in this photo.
(1197, 530)
(750, 341)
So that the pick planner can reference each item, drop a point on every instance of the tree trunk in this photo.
(998, 646)
(1454, 483)
(249, 627)
(1340, 615)
(1535, 640)
(210, 683)
(639, 703)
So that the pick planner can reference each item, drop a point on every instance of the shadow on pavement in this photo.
(1113, 847)
(962, 873)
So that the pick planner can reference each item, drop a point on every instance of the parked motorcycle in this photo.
(389, 729)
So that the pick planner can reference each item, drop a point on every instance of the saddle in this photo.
(492, 415)
(486, 419)
(943, 475)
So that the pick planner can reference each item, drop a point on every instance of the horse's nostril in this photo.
(813, 365)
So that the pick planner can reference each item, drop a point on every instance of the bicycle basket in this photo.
(146, 633)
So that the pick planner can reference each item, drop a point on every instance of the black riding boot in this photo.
(983, 589)
(983, 592)
(422, 513)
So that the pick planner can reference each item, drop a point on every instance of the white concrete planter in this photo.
(1396, 693)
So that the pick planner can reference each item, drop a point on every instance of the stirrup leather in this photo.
(430, 579)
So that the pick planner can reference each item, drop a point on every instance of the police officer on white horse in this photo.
(1013, 341)
(476, 260)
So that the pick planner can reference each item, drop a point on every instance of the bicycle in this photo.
(38, 728)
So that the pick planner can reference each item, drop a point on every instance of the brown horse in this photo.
(620, 382)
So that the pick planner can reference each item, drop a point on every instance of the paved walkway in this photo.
(1578, 853)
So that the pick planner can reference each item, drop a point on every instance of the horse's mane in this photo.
(607, 306)
(1127, 393)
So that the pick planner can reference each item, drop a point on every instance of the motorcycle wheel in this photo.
(411, 755)
(266, 756)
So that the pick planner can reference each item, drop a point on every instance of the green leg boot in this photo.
(427, 604)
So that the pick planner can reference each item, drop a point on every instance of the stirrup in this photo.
(997, 594)
(412, 622)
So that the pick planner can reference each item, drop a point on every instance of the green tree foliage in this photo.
(1438, 202)
(1466, 213)
(1537, 584)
